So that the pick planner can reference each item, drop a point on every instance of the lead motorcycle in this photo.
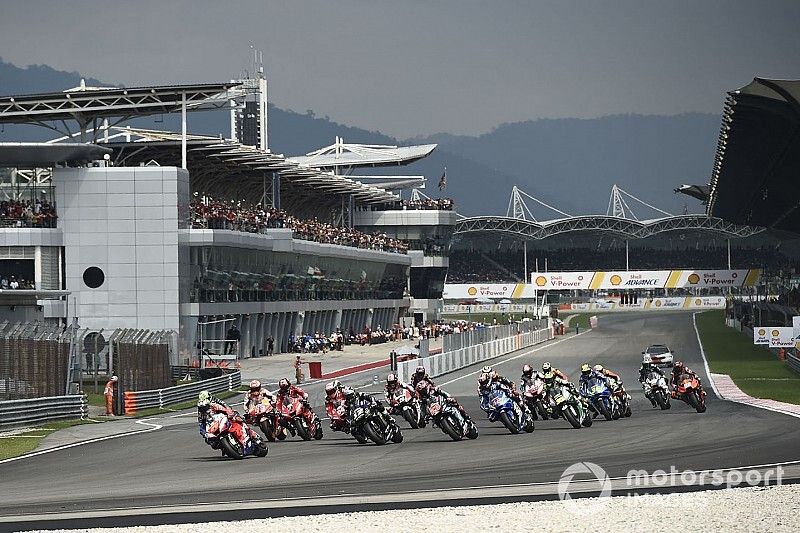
(405, 404)
(230, 432)
(499, 406)
(297, 417)
(570, 407)
(368, 420)
(447, 417)
(600, 399)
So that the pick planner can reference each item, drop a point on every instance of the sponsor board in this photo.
(667, 303)
(781, 337)
(645, 279)
(471, 291)
(760, 335)
(557, 281)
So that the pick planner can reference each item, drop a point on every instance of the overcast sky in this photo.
(411, 68)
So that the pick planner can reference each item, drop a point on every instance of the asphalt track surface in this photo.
(172, 468)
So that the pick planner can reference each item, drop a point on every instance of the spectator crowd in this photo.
(27, 214)
(218, 214)
(15, 283)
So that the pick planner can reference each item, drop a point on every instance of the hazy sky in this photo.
(410, 68)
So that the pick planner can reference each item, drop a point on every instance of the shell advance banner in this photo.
(644, 279)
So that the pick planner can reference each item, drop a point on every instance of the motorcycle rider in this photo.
(352, 397)
(644, 371)
(256, 394)
(287, 392)
(509, 386)
(334, 399)
(678, 369)
(547, 367)
(420, 375)
(207, 407)
(588, 373)
(427, 392)
(614, 381)
(527, 377)
(392, 384)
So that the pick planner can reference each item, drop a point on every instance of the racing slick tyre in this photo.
(692, 399)
(261, 449)
(411, 418)
(529, 426)
(267, 430)
(509, 423)
(604, 410)
(397, 436)
(360, 437)
(374, 433)
(231, 447)
(628, 411)
(302, 428)
(281, 433)
(450, 427)
(472, 432)
(587, 420)
(318, 432)
(661, 401)
(571, 417)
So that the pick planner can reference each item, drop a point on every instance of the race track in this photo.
(173, 467)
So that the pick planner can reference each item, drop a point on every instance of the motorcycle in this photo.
(688, 390)
(265, 417)
(570, 407)
(536, 399)
(447, 417)
(234, 436)
(298, 418)
(405, 404)
(599, 396)
(621, 399)
(499, 406)
(369, 421)
(655, 386)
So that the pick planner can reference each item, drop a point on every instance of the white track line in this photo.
(703, 355)
(525, 354)
(154, 427)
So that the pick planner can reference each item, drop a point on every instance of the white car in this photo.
(658, 354)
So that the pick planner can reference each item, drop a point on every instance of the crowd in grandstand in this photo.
(220, 214)
(27, 214)
(432, 204)
(477, 266)
(15, 283)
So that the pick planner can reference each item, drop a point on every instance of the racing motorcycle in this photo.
(570, 407)
(688, 390)
(499, 406)
(405, 404)
(447, 417)
(369, 421)
(600, 399)
(655, 386)
(233, 436)
(297, 417)
(621, 399)
(265, 417)
(537, 401)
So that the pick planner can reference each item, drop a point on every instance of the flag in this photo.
(443, 180)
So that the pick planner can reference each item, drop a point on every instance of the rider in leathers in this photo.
(334, 400)
(427, 392)
(256, 394)
(644, 371)
(509, 386)
(677, 371)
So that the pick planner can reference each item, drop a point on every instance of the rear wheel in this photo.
(571, 417)
(450, 427)
(231, 447)
(529, 427)
(509, 423)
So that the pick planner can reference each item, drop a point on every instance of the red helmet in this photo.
(284, 384)
(330, 388)
(255, 385)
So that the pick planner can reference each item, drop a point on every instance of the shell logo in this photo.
(616, 280)
(762, 332)
(694, 279)
(698, 302)
(776, 333)
(472, 291)
(541, 281)
(658, 303)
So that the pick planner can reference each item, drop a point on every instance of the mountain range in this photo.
(568, 163)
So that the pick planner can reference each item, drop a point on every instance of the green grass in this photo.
(29, 440)
(573, 319)
(755, 369)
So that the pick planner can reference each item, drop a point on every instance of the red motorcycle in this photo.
(403, 403)
(265, 416)
(296, 415)
(688, 389)
(234, 436)
(536, 399)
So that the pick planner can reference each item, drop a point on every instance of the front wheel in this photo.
(231, 446)
(509, 423)
(410, 415)
(604, 410)
(450, 428)
(267, 429)
(692, 399)
(374, 433)
(571, 417)
(302, 428)
(397, 435)
(318, 431)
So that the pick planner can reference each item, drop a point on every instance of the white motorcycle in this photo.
(655, 387)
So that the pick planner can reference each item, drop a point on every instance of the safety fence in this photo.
(436, 365)
(148, 399)
(465, 339)
(793, 362)
(35, 411)
(34, 359)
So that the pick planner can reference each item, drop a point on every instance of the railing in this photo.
(456, 341)
(437, 365)
(148, 399)
(35, 411)
(793, 362)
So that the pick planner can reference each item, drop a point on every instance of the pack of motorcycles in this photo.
(369, 420)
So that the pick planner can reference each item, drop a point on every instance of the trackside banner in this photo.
(471, 291)
(645, 279)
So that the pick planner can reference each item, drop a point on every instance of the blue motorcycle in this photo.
(600, 398)
(499, 406)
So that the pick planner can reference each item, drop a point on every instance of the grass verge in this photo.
(580, 319)
(755, 369)
(13, 446)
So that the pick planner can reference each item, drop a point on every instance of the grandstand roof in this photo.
(754, 179)
(87, 104)
(341, 154)
(225, 168)
(623, 227)
(33, 155)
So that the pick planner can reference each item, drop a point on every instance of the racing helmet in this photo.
(203, 396)
(527, 371)
(483, 379)
(598, 368)
(420, 371)
(284, 385)
(487, 369)
(546, 367)
(679, 366)
(330, 388)
(255, 385)
(391, 380)
(348, 392)
(586, 370)
(337, 384)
